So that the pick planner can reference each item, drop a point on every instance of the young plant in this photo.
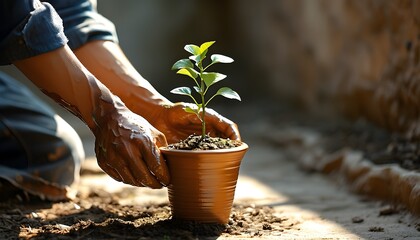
(203, 79)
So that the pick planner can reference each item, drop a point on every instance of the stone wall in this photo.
(361, 57)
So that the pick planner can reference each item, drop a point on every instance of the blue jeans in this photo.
(40, 153)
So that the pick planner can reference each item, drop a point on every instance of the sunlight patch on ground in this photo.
(252, 190)
(127, 195)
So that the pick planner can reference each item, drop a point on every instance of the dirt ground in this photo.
(275, 198)
(99, 216)
(100, 213)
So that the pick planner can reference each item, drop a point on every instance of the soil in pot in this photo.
(196, 142)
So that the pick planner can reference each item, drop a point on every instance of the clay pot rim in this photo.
(243, 146)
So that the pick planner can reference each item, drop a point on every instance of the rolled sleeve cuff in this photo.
(93, 27)
(82, 23)
(40, 32)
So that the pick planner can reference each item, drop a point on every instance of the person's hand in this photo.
(127, 148)
(177, 124)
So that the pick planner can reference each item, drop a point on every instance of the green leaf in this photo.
(205, 46)
(211, 78)
(193, 49)
(195, 58)
(188, 109)
(228, 93)
(198, 58)
(218, 58)
(183, 63)
(182, 91)
(199, 106)
(189, 72)
(197, 89)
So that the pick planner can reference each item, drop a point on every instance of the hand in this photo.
(177, 124)
(127, 148)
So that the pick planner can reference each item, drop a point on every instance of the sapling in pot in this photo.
(203, 183)
(195, 68)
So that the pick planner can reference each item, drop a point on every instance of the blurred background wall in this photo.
(154, 32)
(357, 57)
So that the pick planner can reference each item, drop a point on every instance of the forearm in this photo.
(108, 63)
(61, 76)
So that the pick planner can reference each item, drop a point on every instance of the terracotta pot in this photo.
(203, 183)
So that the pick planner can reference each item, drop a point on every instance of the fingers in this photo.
(100, 156)
(110, 171)
(135, 169)
(222, 126)
(154, 160)
(160, 140)
(178, 125)
(230, 130)
(124, 161)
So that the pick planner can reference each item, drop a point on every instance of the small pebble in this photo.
(357, 220)
(387, 211)
(266, 226)
(376, 229)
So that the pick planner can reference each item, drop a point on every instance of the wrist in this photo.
(146, 103)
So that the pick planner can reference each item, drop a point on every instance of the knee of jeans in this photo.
(72, 140)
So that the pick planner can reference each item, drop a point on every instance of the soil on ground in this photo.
(376, 144)
(100, 216)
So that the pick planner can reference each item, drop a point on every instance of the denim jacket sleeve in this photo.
(82, 22)
(30, 27)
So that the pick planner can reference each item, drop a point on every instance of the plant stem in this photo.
(203, 103)
(203, 122)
